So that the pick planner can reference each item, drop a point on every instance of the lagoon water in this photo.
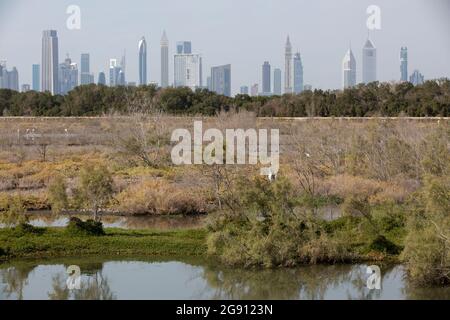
(190, 278)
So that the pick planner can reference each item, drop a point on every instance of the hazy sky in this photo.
(244, 33)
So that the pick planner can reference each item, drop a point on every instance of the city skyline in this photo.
(395, 33)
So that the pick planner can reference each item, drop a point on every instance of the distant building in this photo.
(288, 67)
(243, 90)
(50, 62)
(277, 81)
(404, 64)
(142, 47)
(131, 84)
(8, 79)
(68, 76)
(416, 78)
(116, 73)
(369, 60)
(36, 74)
(348, 70)
(184, 47)
(307, 87)
(209, 83)
(188, 70)
(254, 90)
(85, 76)
(221, 80)
(102, 78)
(266, 85)
(298, 73)
(164, 61)
(26, 88)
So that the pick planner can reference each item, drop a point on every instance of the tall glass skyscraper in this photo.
(142, 46)
(164, 61)
(266, 85)
(348, 70)
(298, 73)
(369, 61)
(221, 80)
(277, 81)
(50, 61)
(85, 76)
(404, 64)
(36, 84)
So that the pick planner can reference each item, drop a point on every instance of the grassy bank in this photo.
(48, 242)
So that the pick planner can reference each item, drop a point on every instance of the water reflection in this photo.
(200, 279)
(45, 219)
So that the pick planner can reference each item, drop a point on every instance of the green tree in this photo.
(96, 188)
(57, 194)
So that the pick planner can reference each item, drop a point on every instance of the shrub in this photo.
(161, 197)
(26, 229)
(381, 244)
(77, 227)
(427, 245)
(14, 213)
(57, 195)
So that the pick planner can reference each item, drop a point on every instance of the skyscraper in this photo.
(187, 67)
(369, 60)
(8, 79)
(266, 86)
(277, 81)
(221, 80)
(348, 70)
(288, 67)
(85, 76)
(2, 70)
(298, 73)
(50, 62)
(184, 47)
(416, 78)
(102, 79)
(68, 76)
(36, 77)
(254, 90)
(164, 61)
(244, 90)
(117, 72)
(404, 64)
(142, 46)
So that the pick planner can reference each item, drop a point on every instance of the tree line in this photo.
(374, 99)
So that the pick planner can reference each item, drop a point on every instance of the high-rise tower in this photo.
(142, 46)
(369, 60)
(266, 75)
(277, 81)
(288, 67)
(404, 64)
(49, 72)
(348, 70)
(164, 61)
(298, 73)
